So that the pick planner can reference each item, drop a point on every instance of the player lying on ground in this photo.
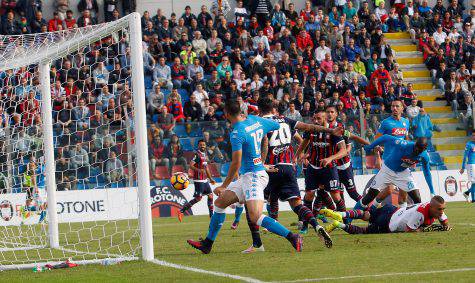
(33, 202)
(278, 153)
(246, 140)
(469, 163)
(391, 219)
(201, 175)
(399, 155)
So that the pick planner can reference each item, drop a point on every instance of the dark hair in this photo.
(397, 100)
(331, 106)
(265, 105)
(201, 140)
(438, 199)
(232, 107)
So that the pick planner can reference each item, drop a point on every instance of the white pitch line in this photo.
(204, 271)
(378, 275)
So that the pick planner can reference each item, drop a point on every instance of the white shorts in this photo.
(471, 172)
(250, 186)
(403, 180)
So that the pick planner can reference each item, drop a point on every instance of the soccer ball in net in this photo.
(180, 181)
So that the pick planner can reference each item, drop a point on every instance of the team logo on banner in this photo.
(167, 201)
(6, 210)
(451, 186)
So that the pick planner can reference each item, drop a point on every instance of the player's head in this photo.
(420, 145)
(397, 108)
(320, 117)
(201, 145)
(266, 106)
(232, 110)
(437, 206)
(332, 113)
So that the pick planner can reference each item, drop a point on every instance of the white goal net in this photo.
(74, 180)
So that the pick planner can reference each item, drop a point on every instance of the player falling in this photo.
(279, 154)
(321, 173)
(399, 156)
(33, 203)
(201, 175)
(469, 163)
(246, 141)
(391, 219)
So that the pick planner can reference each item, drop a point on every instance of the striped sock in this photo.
(254, 228)
(305, 214)
(353, 193)
(340, 205)
(274, 209)
(351, 229)
(327, 200)
(317, 204)
(354, 214)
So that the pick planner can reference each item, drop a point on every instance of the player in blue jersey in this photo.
(469, 163)
(246, 140)
(396, 126)
(399, 156)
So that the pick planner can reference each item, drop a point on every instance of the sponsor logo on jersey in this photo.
(278, 150)
(451, 186)
(257, 161)
(407, 162)
(321, 144)
(399, 132)
(252, 127)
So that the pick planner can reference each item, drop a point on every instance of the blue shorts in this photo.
(202, 189)
(283, 184)
(380, 218)
(326, 177)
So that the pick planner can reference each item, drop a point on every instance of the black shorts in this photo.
(380, 218)
(326, 177)
(283, 184)
(202, 189)
(346, 177)
(29, 193)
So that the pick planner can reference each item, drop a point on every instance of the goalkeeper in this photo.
(391, 219)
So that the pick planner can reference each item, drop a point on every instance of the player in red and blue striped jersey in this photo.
(201, 173)
(323, 150)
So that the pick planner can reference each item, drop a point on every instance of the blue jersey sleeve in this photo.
(426, 170)
(383, 128)
(237, 139)
(268, 124)
(468, 148)
(379, 141)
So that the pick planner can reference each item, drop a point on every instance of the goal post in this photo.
(75, 149)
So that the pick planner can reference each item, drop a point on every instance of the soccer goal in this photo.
(74, 174)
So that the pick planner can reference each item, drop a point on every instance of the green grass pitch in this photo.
(351, 255)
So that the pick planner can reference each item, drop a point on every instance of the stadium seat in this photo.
(214, 169)
(184, 95)
(357, 162)
(155, 118)
(195, 132)
(166, 183)
(161, 172)
(165, 142)
(224, 169)
(186, 144)
(435, 159)
(370, 162)
(178, 168)
(148, 82)
(180, 131)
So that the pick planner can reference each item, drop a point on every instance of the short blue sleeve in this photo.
(237, 140)
(383, 127)
(268, 124)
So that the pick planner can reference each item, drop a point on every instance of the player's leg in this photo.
(325, 200)
(232, 195)
(377, 189)
(237, 215)
(197, 196)
(257, 245)
(415, 196)
(332, 185)
(210, 204)
(405, 182)
(402, 198)
(253, 187)
(347, 179)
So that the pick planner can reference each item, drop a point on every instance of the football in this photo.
(180, 181)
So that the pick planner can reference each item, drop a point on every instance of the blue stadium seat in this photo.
(224, 169)
(184, 95)
(196, 131)
(180, 131)
(186, 143)
(357, 162)
(155, 118)
(166, 141)
(148, 81)
(435, 159)
(165, 183)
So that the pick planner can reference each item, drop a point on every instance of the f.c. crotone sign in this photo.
(167, 201)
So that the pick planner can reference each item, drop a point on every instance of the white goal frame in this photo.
(43, 56)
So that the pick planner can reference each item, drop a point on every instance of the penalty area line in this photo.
(380, 275)
(204, 271)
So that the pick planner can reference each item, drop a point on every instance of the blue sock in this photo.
(472, 191)
(215, 225)
(274, 226)
(237, 213)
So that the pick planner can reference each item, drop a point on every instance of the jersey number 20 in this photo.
(282, 136)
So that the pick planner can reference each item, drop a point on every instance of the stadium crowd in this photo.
(326, 54)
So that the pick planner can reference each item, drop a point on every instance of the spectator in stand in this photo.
(176, 109)
(86, 19)
(412, 110)
(422, 127)
(292, 113)
(178, 74)
(155, 101)
(157, 152)
(70, 21)
(162, 74)
(114, 168)
(174, 152)
(65, 177)
(192, 110)
(55, 24)
(109, 7)
(80, 161)
(81, 115)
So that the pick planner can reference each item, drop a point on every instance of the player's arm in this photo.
(465, 157)
(302, 147)
(427, 173)
(356, 138)
(264, 148)
(317, 128)
(380, 141)
(340, 154)
(298, 138)
(208, 175)
(194, 168)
